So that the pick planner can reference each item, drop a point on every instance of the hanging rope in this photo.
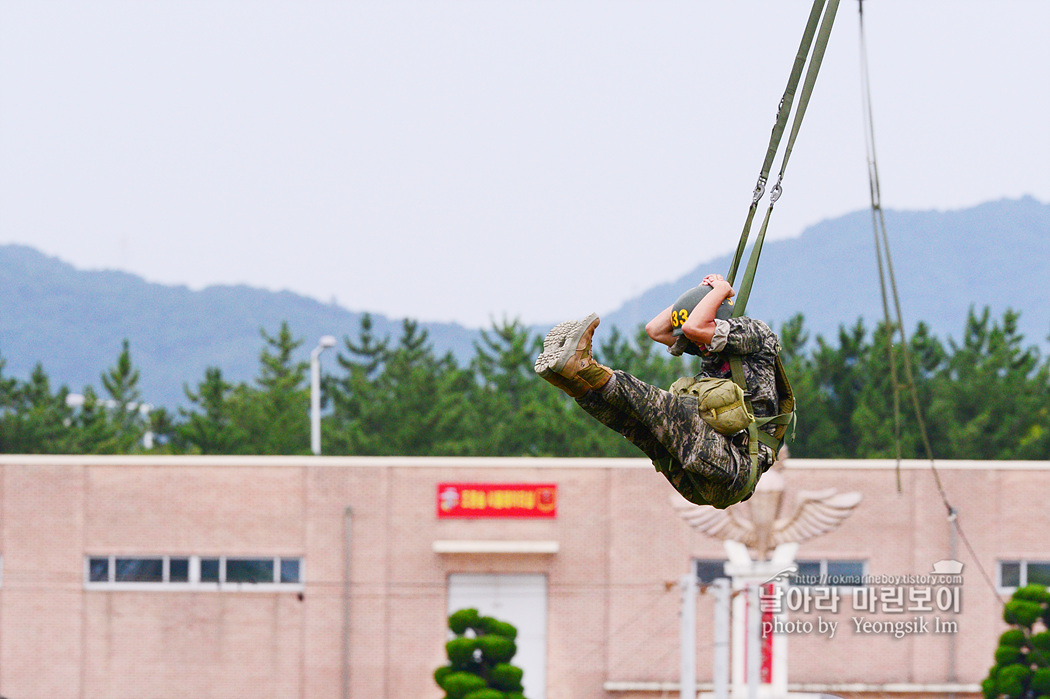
(895, 324)
(817, 40)
(882, 250)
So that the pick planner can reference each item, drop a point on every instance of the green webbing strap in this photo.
(819, 48)
(752, 451)
(784, 419)
(756, 435)
(768, 439)
(742, 295)
(778, 131)
(737, 368)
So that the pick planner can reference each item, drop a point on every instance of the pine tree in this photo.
(994, 394)
(353, 394)
(507, 396)
(94, 430)
(211, 428)
(8, 410)
(121, 383)
(421, 405)
(33, 420)
(275, 415)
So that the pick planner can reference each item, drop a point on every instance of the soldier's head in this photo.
(687, 302)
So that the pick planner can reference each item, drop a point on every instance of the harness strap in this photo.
(768, 439)
(783, 110)
(756, 435)
(737, 368)
(753, 439)
(819, 47)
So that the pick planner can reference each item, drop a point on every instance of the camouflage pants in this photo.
(706, 467)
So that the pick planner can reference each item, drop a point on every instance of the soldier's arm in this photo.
(747, 335)
(700, 325)
(659, 328)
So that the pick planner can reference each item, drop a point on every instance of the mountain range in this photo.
(996, 255)
(72, 321)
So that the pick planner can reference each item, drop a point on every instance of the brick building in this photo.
(141, 577)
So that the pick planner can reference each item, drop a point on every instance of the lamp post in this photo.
(315, 392)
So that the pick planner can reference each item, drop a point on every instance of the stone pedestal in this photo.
(765, 677)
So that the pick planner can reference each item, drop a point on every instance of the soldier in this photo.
(704, 465)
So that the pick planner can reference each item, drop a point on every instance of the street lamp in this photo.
(315, 392)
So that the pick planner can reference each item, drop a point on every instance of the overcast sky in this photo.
(470, 160)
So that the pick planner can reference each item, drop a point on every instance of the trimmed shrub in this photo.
(458, 685)
(1033, 593)
(1012, 679)
(485, 693)
(1041, 641)
(1008, 655)
(462, 620)
(461, 652)
(1013, 637)
(1022, 660)
(1022, 612)
(1040, 683)
(486, 625)
(502, 628)
(479, 659)
(506, 677)
(442, 672)
(498, 649)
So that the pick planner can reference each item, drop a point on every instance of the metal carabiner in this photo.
(775, 193)
(760, 189)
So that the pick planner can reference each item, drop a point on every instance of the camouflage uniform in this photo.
(706, 467)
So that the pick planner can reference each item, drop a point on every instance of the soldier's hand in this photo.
(710, 279)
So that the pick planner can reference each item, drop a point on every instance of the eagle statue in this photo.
(816, 512)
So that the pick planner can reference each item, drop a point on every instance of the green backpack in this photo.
(721, 402)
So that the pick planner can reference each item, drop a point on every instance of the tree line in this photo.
(985, 396)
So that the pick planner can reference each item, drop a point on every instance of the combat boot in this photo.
(574, 387)
(567, 355)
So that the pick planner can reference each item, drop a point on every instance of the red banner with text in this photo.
(525, 500)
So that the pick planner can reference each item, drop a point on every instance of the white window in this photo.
(1015, 574)
(829, 573)
(520, 600)
(196, 572)
(709, 569)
